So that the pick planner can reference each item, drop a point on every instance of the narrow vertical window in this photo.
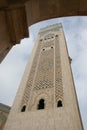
(59, 103)
(23, 108)
(41, 104)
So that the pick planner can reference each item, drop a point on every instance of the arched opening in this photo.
(59, 103)
(23, 108)
(43, 49)
(41, 104)
(56, 36)
(41, 39)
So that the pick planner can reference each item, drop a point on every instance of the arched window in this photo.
(56, 36)
(41, 39)
(51, 46)
(41, 104)
(59, 103)
(43, 49)
(23, 108)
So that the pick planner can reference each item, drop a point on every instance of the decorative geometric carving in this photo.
(49, 36)
(41, 77)
(58, 72)
(45, 71)
(31, 77)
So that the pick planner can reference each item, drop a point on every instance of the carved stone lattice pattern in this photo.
(31, 77)
(45, 71)
(45, 63)
(58, 72)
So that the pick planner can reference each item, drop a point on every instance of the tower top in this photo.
(57, 25)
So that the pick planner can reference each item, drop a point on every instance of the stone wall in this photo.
(4, 112)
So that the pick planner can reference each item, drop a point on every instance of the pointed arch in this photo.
(23, 108)
(41, 104)
(59, 103)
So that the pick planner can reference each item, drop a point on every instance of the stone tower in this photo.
(46, 99)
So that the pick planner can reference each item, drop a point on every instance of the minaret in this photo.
(46, 99)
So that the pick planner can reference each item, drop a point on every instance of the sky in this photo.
(13, 66)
